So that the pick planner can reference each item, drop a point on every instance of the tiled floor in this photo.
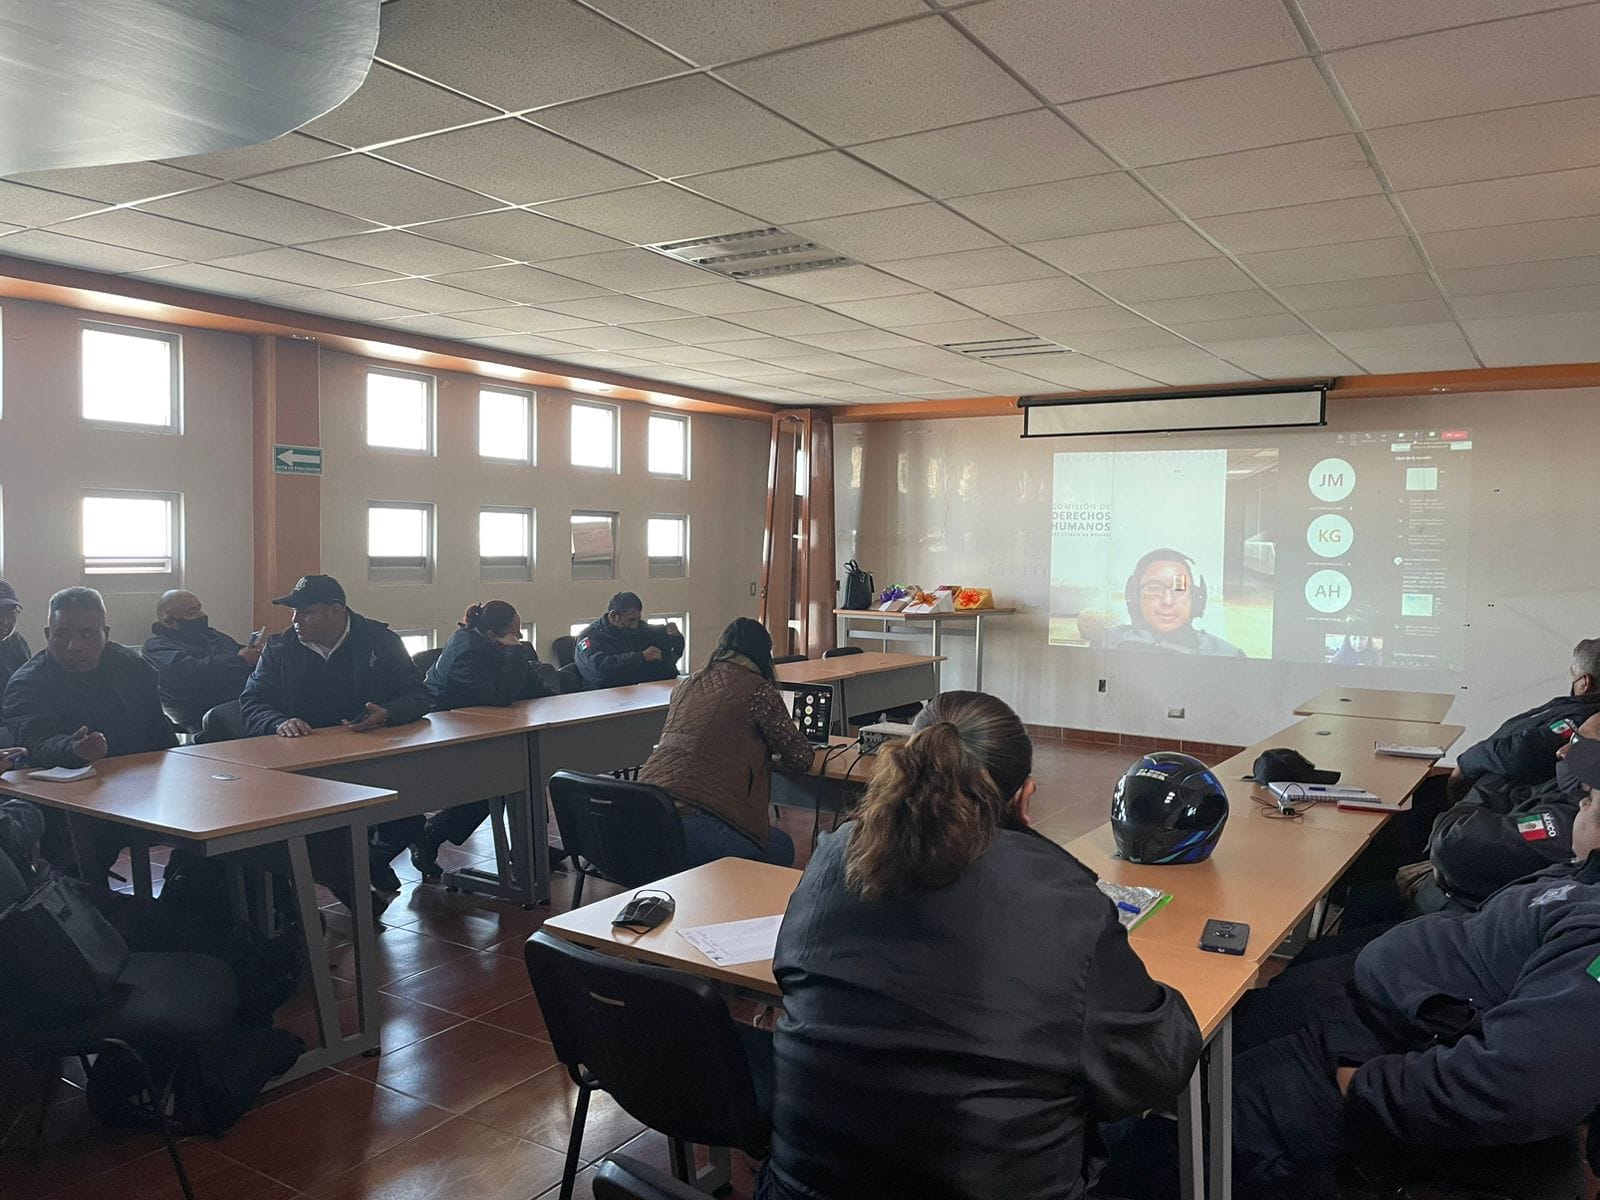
(466, 1099)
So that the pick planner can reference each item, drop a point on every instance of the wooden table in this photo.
(918, 624)
(1429, 707)
(866, 683)
(212, 808)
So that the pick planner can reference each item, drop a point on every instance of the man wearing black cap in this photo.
(13, 646)
(619, 648)
(334, 667)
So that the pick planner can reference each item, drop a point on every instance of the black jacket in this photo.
(957, 1044)
(1499, 833)
(609, 657)
(1524, 748)
(13, 653)
(197, 671)
(292, 680)
(1490, 1017)
(45, 705)
(474, 670)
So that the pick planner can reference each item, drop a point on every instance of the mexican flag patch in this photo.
(1594, 970)
(1539, 827)
(1564, 727)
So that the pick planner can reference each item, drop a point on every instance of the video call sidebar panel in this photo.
(1374, 572)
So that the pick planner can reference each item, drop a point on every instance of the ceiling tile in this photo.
(799, 319)
(1528, 352)
(903, 79)
(1259, 106)
(390, 105)
(121, 183)
(1141, 247)
(696, 331)
(26, 206)
(1300, 173)
(1544, 325)
(1325, 264)
(1497, 64)
(525, 285)
(1351, 340)
(1359, 218)
(748, 369)
(852, 340)
(892, 312)
(804, 189)
(1003, 152)
(1529, 303)
(290, 150)
(1087, 374)
(1521, 277)
(78, 252)
(1235, 328)
(157, 235)
(379, 191)
(517, 234)
(296, 266)
(1340, 23)
(719, 31)
(611, 337)
(1052, 210)
(1070, 52)
(629, 270)
(839, 283)
(443, 327)
(421, 294)
(969, 268)
(614, 309)
(715, 299)
(1284, 357)
(1527, 242)
(680, 127)
(1548, 196)
(522, 343)
(403, 253)
(977, 329)
(1355, 293)
(1139, 337)
(527, 320)
(823, 362)
(921, 360)
(1189, 367)
(889, 233)
(1072, 323)
(657, 212)
(1380, 316)
(336, 304)
(1517, 141)
(1170, 280)
(1253, 303)
(214, 279)
(704, 356)
(1030, 295)
(1452, 354)
(256, 214)
(768, 349)
(513, 161)
(517, 53)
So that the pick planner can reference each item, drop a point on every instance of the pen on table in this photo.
(1128, 908)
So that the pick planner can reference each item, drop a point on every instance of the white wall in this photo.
(968, 502)
(49, 456)
(724, 498)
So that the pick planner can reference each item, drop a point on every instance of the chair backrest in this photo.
(224, 723)
(426, 658)
(630, 832)
(571, 679)
(788, 658)
(621, 1178)
(565, 648)
(661, 1042)
(841, 651)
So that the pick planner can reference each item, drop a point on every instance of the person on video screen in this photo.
(1358, 650)
(1165, 597)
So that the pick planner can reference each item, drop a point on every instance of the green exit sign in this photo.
(297, 460)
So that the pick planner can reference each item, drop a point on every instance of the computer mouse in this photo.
(645, 911)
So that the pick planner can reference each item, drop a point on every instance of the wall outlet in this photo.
(752, 589)
(1102, 685)
(1175, 713)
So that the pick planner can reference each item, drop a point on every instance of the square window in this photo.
(594, 435)
(505, 544)
(594, 545)
(400, 411)
(130, 533)
(530, 634)
(505, 425)
(130, 377)
(666, 542)
(577, 629)
(681, 620)
(669, 446)
(416, 640)
(399, 542)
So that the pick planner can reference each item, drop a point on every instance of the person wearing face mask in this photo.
(198, 667)
(13, 646)
(1165, 597)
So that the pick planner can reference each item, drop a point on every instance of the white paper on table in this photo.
(734, 942)
(62, 774)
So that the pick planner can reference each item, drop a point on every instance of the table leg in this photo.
(1191, 1140)
(977, 654)
(530, 827)
(1219, 1117)
(366, 934)
(305, 896)
(938, 644)
(81, 831)
(139, 859)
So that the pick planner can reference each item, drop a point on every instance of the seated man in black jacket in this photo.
(334, 667)
(13, 646)
(81, 699)
(619, 648)
(199, 667)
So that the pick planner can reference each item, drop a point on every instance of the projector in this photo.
(872, 737)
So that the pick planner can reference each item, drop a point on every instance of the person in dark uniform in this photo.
(13, 646)
(618, 648)
(485, 662)
(960, 1001)
(1165, 597)
(80, 699)
(334, 667)
(198, 667)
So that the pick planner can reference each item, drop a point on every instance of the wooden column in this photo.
(799, 584)
(286, 399)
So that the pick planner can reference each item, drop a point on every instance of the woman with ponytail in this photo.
(485, 662)
(960, 1001)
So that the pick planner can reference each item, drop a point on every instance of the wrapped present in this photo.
(938, 601)
(974, 599)
(895, 597)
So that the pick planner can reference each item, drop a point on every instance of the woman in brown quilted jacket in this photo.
(725, 724)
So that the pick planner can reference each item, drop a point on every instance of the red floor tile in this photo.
(461, 1067)
(522, 1016)
(469, 986)
(211, 1174)
(401, 952)
(540, 1110)
(458, 1159)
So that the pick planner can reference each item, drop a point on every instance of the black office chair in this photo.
(621, 1178)
(788, 658)
(625, 832)
(841, 651)
(662, 1042)
(224, 723)
(565, 649)
(571, 679)
(426, 658)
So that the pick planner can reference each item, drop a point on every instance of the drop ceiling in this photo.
(1182, 193)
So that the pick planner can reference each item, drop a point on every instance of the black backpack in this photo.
(858, 591)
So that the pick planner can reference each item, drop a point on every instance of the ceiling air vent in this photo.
(1000, 348)
(753, 254)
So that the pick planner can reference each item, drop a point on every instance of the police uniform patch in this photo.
(1537, 827)
(1564, 727)
(1551, 895)
(1594, 970)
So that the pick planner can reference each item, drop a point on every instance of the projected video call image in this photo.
(1347, 549)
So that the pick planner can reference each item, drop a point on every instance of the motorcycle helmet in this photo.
(1168, 808)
